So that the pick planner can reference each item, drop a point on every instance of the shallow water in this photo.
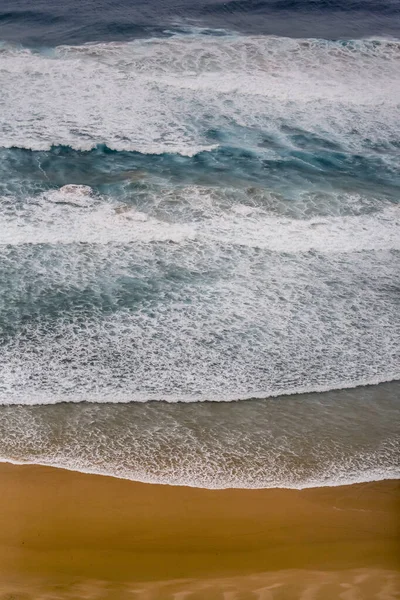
(308, 440)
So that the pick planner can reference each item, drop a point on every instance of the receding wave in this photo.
(336, 438)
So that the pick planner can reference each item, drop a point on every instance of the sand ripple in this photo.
(354, 584)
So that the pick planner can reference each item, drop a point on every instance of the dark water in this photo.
(49, 23)
(200, 202)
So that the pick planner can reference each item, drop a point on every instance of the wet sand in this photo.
(71, 535)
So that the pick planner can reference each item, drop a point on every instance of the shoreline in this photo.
(314, 486)
(60, 527)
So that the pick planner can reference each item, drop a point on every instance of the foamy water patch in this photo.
(73, 214)
(189, 322)
(250, 227)
(60, 217)
(166, 95)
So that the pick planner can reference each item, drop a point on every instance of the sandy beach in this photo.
(71, 535)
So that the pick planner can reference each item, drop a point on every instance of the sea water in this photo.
(200, 240)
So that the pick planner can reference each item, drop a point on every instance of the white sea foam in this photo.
(164, 95)
(194, 321)
(214, 480)
(72, 215)
(242, 303)
(75, 195)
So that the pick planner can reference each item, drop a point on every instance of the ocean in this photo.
(200, 240)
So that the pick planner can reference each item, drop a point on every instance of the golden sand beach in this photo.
(71, 535)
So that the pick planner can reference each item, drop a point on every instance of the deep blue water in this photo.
(50, 22)
(200, 201)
